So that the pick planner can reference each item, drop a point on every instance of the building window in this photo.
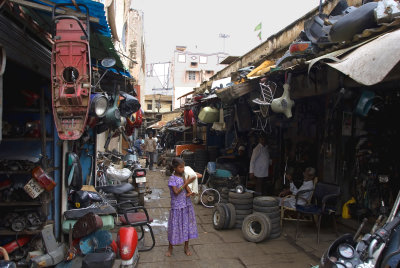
(181, 58)
(192, 75)
(210, 72)
(193, 64)
(149, 106)
(203, 59)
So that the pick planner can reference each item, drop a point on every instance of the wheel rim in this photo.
(254, 228)
(216, 217)
(210, 197)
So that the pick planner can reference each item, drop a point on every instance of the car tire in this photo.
(265, 209)
(265, 201)
(218, 217)
(243, 201)
(243, 211)
(245, 195)
(232, 212)
(256, 227)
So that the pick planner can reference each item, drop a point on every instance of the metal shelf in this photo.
(24, 110)
(15, 171)
(20, 204)
(25, 232)
(48, 139)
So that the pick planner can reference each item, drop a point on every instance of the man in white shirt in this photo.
(259, 165)
(150, 146)
(308, 184)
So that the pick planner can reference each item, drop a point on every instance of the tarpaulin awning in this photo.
(101, 45)
(158, 125)
(370, 64)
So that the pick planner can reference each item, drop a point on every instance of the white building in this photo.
(190, 69)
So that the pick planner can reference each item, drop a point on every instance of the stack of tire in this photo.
(224, 193)
(269, 206)
(189, 158)
(224, 216)
(243, 204)
(111, 198)
(200, 160)
(218, 183)
(128, 196)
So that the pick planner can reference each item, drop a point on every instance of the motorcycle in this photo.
(131, 162)
(378, 248)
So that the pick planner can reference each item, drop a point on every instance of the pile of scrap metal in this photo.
(342, 27)
(76, 98)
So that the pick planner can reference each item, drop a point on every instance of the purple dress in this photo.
(182, 220)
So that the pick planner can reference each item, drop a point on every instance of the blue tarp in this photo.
(100, 40)
(96, 10)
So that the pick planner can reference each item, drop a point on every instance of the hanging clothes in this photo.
(188, 118)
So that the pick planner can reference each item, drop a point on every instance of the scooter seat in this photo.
(100, 209)
(135, 217)
(116, 189)
(118, 174)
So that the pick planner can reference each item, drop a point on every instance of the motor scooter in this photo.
(138, 180)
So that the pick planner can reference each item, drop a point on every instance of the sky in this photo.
(198, 24)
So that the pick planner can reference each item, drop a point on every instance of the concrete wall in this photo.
(136, 49)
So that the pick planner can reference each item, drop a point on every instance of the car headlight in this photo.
(99, 105)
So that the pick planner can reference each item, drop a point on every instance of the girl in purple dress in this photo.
(182, 220)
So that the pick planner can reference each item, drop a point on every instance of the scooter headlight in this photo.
(99, 105)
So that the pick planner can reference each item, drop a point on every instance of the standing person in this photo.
(182, 220)
(150, 146)
(259, 165)
(138, 145)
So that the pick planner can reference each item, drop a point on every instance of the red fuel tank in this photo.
(127, 243)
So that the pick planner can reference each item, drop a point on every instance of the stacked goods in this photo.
(224, 195)
(131, 196)
(243, 204)
(212, 153)
(200, 160)
(269, 206)
(189, 158)
(224, 216)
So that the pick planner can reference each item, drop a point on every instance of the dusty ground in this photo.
(226, 248)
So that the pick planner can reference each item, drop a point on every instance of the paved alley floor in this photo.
(226, 248)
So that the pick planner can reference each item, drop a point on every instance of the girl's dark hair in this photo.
(175, 162)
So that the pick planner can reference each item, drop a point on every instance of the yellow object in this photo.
(345, 209)
(262, 69)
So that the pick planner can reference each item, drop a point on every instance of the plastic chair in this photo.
(324, 202)
(132, 217)
(292, 210)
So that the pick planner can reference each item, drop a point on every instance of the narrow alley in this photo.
(226, 248)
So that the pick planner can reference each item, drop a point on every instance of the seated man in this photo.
(308, 184)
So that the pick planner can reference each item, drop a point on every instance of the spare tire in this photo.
(232, 212)
(265, 209)
(241, 201)
(219, 217)
(265, 201)
(256, 227)
(244, 195)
